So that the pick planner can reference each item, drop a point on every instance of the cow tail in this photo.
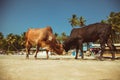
(26, 36)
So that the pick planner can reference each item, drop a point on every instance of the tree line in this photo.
(13, 42)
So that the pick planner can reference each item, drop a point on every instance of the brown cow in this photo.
(44, 38)
(90, 33)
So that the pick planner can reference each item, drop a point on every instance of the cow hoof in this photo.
(27, 56)
(112, 59)
(75, 57)
(35, 56)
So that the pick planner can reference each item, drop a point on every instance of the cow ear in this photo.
(50, 38)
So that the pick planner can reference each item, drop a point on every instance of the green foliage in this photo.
(3, 43)
(62, 37)
(103, 21)
(1, 36)
(75, 21)
(12, 42)
(82, 22)
(114, 21)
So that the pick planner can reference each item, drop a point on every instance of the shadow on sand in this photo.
(69, 58)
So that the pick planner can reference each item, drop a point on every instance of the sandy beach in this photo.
(16, 67)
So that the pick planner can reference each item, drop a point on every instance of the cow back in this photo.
(44, 38)
(90, 33)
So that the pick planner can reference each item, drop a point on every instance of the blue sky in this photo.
(19, 15)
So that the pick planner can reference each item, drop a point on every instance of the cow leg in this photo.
(102, 51)
(112, 48)
(76, 53)
(47, 54)
(27, 52)
(102, 44)
(81, 48)
(28, 46)
(37, 49)
(78, 46)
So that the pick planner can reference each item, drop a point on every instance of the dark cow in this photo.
(44, 38)
(90, 33)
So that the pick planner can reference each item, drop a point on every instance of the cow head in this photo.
(66, 46)
(59, 49)
(69, 43)
(54, 46)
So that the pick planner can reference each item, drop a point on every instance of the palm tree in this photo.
(1, 35)
(82, 22)
(3, 43)
(1, 39)
(56, 34)
(58, 38)
(21, 41)
(74, 21)
(64, 36)
(114, 21)
(103, 21)
(11, 39)
(61, 38)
